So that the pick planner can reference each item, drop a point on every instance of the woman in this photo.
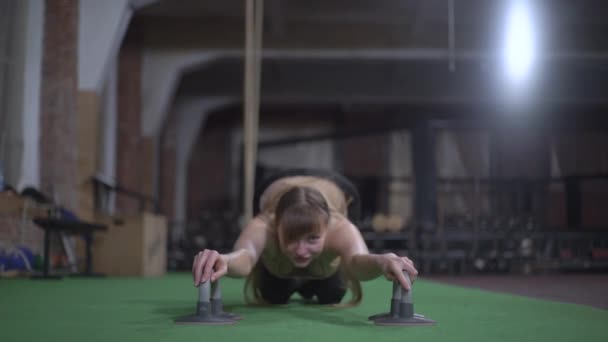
(302, 241)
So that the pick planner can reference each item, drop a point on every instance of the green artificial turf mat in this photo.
(135, 309)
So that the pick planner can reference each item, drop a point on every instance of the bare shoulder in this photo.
(344, 237)
(340, 224)
(254, 236)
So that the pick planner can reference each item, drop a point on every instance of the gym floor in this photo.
(135, 309)
(584, 289)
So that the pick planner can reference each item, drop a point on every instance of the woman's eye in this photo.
(313, 238)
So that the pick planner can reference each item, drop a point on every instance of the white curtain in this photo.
(400, 191)
(463, 154)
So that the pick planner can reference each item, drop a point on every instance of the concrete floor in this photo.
(585, 289)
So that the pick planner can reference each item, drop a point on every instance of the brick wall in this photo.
(88, 148)
(208, 172)
(130, 143)
(365, 156)
(58, 125)
(58, 115)
(167, 167)
(364, 159)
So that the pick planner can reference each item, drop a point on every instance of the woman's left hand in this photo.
(393, 266)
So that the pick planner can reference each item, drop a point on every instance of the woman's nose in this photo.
(300, 248)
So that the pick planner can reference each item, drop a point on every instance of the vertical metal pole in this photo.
(47, 253)
(254, 14)
(396, 299)
(406, 307)
(216, 299)
(425, 173)
(451, 35)
(203, 306)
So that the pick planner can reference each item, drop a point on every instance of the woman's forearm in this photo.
(240, 263)
(365, 266)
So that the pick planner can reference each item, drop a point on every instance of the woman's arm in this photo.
(347, 241)
(248, 248)
(209, 264)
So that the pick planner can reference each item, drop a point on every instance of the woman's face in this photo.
(305, 249)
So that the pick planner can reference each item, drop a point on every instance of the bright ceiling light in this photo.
(519, 50)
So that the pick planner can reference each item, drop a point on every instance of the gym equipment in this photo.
(379, 223)
(402, 309)
(209, 308)
(50, 225)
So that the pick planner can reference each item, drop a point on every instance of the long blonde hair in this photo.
(299, 211)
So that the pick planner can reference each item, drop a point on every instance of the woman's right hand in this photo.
(393, 266)
(208, 265)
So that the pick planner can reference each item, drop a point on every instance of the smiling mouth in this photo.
(301, 260)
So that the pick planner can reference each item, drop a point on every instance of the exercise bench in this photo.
(70, 226)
